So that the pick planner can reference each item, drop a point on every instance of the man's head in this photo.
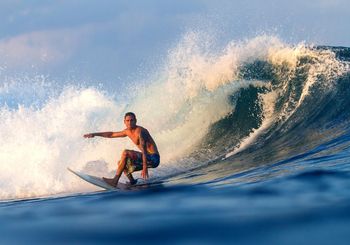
(130, 120)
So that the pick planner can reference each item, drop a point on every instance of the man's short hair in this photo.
(131, 114)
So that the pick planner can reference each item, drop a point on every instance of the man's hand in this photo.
(144, 173)
(89, 135)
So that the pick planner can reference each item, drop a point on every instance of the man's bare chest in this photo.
(134, 137)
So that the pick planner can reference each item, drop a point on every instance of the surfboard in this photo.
(98, 181)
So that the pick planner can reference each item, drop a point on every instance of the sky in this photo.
(112, 41)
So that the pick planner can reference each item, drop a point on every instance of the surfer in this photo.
(130, 160)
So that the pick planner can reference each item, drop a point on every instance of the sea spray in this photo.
(38, 144)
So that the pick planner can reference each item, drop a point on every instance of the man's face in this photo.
(130, 122)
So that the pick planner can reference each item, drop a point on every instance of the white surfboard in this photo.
(97, 181)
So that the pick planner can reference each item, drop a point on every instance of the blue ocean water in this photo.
(255, 150)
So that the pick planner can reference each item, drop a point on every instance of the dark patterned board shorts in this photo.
(134, 163)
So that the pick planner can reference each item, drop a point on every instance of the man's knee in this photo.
(125, 153)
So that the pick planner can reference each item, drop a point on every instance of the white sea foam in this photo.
(38, 144)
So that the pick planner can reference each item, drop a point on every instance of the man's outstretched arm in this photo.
(106, 134)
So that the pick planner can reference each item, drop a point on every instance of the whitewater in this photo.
(248, 132)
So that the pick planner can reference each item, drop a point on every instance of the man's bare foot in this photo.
(111, 182)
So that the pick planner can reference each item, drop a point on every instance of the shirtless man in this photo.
(130, 160)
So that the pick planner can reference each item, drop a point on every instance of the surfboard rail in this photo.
(98, 181)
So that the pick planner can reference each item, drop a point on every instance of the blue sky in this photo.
(110, 41)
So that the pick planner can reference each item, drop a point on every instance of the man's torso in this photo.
(134, 135)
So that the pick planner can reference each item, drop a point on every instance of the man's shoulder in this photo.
(126, 131)
(137, 130)
(143, 130)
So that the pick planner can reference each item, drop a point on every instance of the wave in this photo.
(255, 99)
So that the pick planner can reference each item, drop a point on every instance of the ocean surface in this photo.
(254, 140)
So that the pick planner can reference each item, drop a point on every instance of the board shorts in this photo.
(134, 163)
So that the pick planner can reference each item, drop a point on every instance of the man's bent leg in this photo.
(130, 177)
(121, 166)
(132, 164)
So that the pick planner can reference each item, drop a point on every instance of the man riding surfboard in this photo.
(130, 160)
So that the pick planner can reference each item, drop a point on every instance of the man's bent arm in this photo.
(144, 156)
(106, 134)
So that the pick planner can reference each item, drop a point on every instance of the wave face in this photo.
(215, 111)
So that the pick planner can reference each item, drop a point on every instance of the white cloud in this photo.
(332, 3)
(40, 48)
